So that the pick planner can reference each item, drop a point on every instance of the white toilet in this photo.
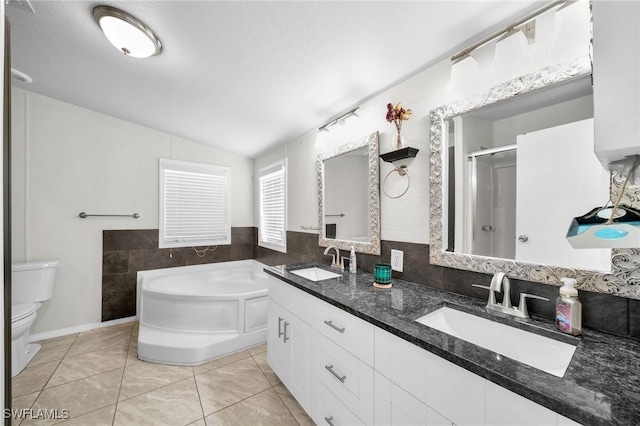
(31, 284)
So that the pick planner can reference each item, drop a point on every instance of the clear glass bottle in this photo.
(353, 267)
(569, 308)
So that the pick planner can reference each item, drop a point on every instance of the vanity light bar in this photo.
(464, 53)
(339, 120)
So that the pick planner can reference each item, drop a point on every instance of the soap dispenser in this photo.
(352, 261)
(569, 308)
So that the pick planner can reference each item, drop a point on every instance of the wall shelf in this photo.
(399, 154)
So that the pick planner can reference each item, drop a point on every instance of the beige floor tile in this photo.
(198, 423)
(298, 412)
(261, 360)
(258, 349)
(101, 340)
(111, 329)
(133, 349)
(227, 385)
(22, 403)
(101, 417)
(216, 363)
(266, 408)
(80, 397)
(173, 405)
(88, 364)
(53, 349)
(141, 376)
(32, 379)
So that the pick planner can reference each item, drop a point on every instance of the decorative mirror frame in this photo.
(624, 280)
(373, 245)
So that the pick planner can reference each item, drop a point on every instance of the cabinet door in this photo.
(507, 408)
(278, 354)
(395, 407)
(297, 341)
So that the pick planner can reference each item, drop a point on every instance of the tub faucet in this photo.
(336, 261)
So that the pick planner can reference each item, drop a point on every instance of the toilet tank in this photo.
(32, 282)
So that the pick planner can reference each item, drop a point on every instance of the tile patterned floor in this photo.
(99, 379)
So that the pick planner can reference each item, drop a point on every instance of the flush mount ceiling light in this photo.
(127, 33)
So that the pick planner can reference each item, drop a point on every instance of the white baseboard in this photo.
(79, 329)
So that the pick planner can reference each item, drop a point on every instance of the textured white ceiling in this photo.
(240, 75)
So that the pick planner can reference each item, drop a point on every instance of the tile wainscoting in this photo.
(602, 312)
(128, 251)
(125, 252)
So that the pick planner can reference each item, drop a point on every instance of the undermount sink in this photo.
(537, 351)
(315, 274)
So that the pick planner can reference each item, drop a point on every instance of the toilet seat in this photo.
(22, 311)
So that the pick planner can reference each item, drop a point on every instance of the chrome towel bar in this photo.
(84, 215)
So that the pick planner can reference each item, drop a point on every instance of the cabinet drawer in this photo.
(296, 301)
(347, 377)
(348, 331)
(328, 410)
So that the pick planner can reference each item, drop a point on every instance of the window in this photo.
(195, 204)
(273, 207)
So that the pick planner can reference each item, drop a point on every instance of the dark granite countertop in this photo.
(600, 387)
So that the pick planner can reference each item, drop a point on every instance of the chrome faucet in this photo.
(500, 283)
(497, 282)
(336, 261)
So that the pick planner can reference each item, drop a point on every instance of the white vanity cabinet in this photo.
(289, 348)
(444, 393)
(338, 359)
(345, 371)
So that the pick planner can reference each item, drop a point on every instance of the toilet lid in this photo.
(21, 311)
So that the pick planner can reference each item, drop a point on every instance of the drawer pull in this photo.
(279, 327)
(285, 332)
(338, 329)
(329, 420)
(336, 375)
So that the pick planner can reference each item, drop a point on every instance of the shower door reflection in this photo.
(493, 202)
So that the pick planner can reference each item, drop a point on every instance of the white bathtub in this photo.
(194, 314)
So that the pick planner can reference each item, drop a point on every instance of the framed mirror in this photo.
(349, 196)
(498, 185)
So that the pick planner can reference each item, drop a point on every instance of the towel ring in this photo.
(402, 171)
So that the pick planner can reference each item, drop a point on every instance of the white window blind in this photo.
(273, 207)
(194, 204)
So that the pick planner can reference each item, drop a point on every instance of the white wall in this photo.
(506, 131)
(68, 159)
(561, 37)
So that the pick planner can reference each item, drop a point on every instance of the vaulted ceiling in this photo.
(243, 75)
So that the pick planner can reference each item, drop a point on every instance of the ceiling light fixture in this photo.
(523, 24)
(127, 33)
(339, 120)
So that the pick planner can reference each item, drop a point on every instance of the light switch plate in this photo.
(396, 260)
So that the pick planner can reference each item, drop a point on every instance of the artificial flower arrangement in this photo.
(397, 115)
